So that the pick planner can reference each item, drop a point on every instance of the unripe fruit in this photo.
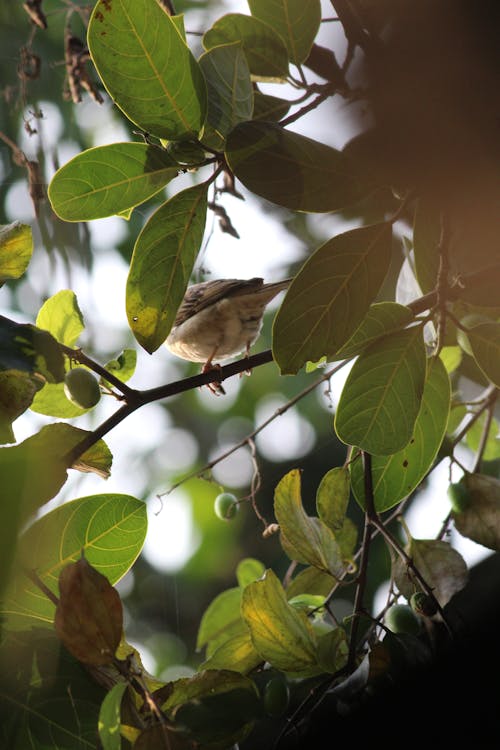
(81, 388)
(226, 506)
(423, 604)
(458, 495)
(276, 696)
(400, 618)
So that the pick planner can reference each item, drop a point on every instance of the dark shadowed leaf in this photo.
(382, 395)
(289, 169)
(480, 521)
(330, 296)
(147, 67)
(485, 344)
(162, 261)
(265, 50)
(28, 349)
(382, 318)
(267, 107)
(396, 476)
(17, 390)
(108, 180)
(296, 21)
(426, 234)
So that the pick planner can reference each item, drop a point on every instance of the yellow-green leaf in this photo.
(61, 316)
(16, 248)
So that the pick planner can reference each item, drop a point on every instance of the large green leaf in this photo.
(381, 398)
(16, 248)
(107, 180)
(484, 340)
(291, 170)
(297, 22)
(109, 529)
(330, 296)
(304, 538)
(26, 348)
(281, 634)
(61, 316)
(162, 261)
(396, 476)
(480, 520)
(382, 318)
(265, 50)
(230, 93)
(267, 107)
(147, 68)
(426, 235)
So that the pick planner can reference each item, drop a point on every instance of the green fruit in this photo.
(81, 388)
(459, 496)
(400, 618)
(276, 696)
(226, 506)
(423, 604)
(469, 321)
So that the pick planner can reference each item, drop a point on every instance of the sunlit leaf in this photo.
(265, 50)
(382, 395)
(108, 180)
(304, 538)
(441, 566)
(230, 93)
(147, 68)
(123, 367)
(480, 521)
(330, 296)
(451, 357)
(249, 569)
(281, 634)
(236, 652)
(16, 248)
(110, 718)
(61, 316)
(291, 170)
(297, 22)
(396, 476)
(162, 262)
(485, 344)
(109, 529)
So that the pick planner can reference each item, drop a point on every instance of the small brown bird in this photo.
(221, 318)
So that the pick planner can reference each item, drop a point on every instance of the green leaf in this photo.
(291, 170)
(108, 180)
(451, 357)
(236, 652)
(17, 390)
(230, 93)
(304, 538)
(426, 236)
(219, 619)
(333, 650)
(297, 22)
(265, 50)
(382, 395)
(123, 367)
(28, 349)
(330, 296)
(332, 497)
(310, 581)
(249, 569)
(98, 458)
(281, 634)
(16, 248)
(441, 566)
(61, 316)
(474, 436)
(147, 68)
(480, 521)
(110, 718)
(267, 107)
(381, 319)
(162, 261)
(109, 529)
(396, 476)
(484, 340)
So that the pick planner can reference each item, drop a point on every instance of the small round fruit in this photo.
(400, 618)
(458, 495)
(423, 604)
(276, 696)
(81, 388)
(226, 506)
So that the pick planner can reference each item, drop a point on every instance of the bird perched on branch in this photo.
(221, 318)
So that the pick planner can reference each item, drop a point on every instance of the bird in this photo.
(220, 318)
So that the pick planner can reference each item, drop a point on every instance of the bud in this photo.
(89, 616)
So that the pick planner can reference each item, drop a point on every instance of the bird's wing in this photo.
(200, 296)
